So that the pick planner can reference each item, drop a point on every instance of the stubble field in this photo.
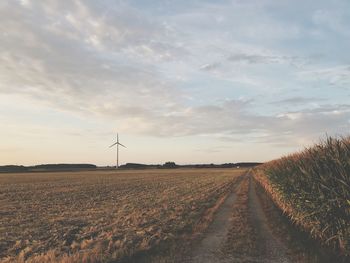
(102, 215)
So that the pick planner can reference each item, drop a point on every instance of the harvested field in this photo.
(105, 215)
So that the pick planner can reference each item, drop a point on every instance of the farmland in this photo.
(103, 215)
(313, 189)
(294, 209)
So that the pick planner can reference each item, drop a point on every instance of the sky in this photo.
(186, 81)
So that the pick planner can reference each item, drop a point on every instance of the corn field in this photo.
(313, 188)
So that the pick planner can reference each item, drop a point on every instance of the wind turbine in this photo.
(117, 143)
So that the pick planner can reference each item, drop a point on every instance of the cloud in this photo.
(311, 124)
(332, 19)
(136, 66)
(337, 76)
(251, 58)
(80, 58)
(211, 66)
(233, 121)
(297, 101)
(261, 59)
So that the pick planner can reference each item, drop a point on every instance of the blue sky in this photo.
(184, 81)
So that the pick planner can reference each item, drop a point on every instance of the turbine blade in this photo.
(121, 145)
(113, 145)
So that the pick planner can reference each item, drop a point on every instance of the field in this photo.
(283, 211)
(313, 188)
(104, 215)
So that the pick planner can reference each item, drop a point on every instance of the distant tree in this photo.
(63, 166)
(13, 168)
(170, 165)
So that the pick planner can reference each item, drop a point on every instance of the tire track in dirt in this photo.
(267, 247)
(270, 249)
(209, 248)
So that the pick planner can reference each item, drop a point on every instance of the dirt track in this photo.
(208, 250)
(268, 248)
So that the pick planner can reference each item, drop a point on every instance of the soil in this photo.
(209, 248)
(269, 247)
(213, 246)
(247, 227)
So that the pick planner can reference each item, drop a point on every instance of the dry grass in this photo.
(102, 216)
(241, 238)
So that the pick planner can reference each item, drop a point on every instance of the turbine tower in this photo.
(117, 143)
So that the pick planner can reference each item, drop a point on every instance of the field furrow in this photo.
(102, 215)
